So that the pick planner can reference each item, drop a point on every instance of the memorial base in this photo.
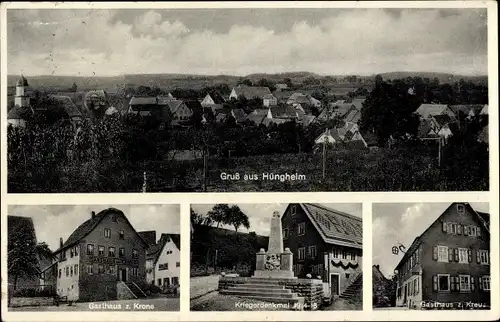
(273, 274)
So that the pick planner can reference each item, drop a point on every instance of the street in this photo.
(203, 284)
(156, 304)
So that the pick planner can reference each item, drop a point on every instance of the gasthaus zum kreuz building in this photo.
(103, 259)
(448, 265)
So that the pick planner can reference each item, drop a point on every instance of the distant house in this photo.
(344, 111)
(212, 99)
(69, 107)
(300, 98)
(269, 100)
(281, 87)
(282, 112)
(469, 111)
(282, 96)
(257, 116)
(249, 92)
(306, 119)
(18, 116)
(449, 262)
(145, 106)
(346, 137)
(239, 115)
(427, 110)
(444, 125)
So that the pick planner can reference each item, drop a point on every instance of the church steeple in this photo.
(21, 99)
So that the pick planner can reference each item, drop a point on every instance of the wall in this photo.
(310, 289)
(347, 273)
(31, 301)
(123, 292)
(171, 260)
(103, 286)
(431, 267)
(69, 285)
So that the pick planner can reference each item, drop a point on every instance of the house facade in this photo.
(249, 92)
(325, 243)
(449, 263)
(103, 258)
(269, 100)
(167, 264)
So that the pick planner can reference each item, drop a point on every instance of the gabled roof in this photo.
(282, 95)
(330, 136)
(484, 111)
(143, 101)
(442, 119)
(335, 227)
(283, 112)
(148, 236)
(22, 81)
(257, 116)
(216, 97)
(484, 135)
(426, 110)
(215, 108)
(250, 92)
(268, 97)
(238, 114)
(173, 105)
(483, 219)
(163, 100)
(19, 113)
(424, 128)
(89, 225)
(307, 119)
(353, 116)
(67, 104)
(358, 103)
(342, 109)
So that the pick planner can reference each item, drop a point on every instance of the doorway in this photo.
(334, 283)
(122, 274)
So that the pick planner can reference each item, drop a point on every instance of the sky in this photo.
(56, 221)
(327, 41)
(397, 223)
(260, 215)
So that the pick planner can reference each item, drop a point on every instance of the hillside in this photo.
(442, 77)
(224, 248)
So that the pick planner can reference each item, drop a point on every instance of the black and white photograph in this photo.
(93, 258)
(276, 257)
(247, 99)
(431, 256)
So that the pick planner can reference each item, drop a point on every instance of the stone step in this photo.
(257, 285)
(261, 290)
(259, 294)
(274, 299)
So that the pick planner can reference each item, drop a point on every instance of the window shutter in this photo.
(480, 282)
(450, 254)
(459, 229)
(456, 255)
(457, 281)
(478, 257)
(469, 255)
(452, 283)
(435, 283)
(417, 286)
(478, 231)
(435, 253)
(466, 231)
(472, 285)
(444, 226)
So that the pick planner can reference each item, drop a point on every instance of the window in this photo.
(464, 283)
(175, 280)
(60, 273)
(111, 252)
(463, 255)
(113, 219)
(460, 209)
(293, 210)
(483, 257)
(159, 282)
(90, 249)
(71, 253)
(312, 251)
(484, 283)
(100, 269)
(285, 233)
(135, 253)
(135, 271)
(442, 254)
(71, 271)
(416, 285)
(344, 254)
(90, 269)
(178, 264)
(301, 228)
(443, 282)
(100, 250)
(163, 266)
(353, 256)
(166, 281)
(111, 269)
(76, 269)
(121, 252)
(301, 253)
(336, 253)
(67, 271)
(76, 250)
(121, 234)
(107, 232)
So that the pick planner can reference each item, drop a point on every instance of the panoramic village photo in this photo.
(273, 257)
(243, 100)
(97, 258)
(431, 256)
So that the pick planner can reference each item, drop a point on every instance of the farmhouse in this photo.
(239, 115)
(347, 137)
(326, 243)
(212, 99)
(281, 87)
(469, 111)
(300, 98)
(162, 259)
(69, 107)
(426, 110)
(103, 259)
(257, 116)
(249, 92)
(269, 100)
(282, 112)
(449, 262)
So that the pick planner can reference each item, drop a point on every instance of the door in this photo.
(405, 294)
(334, 283)
(122, 274)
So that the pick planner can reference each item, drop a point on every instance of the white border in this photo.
(185, 199)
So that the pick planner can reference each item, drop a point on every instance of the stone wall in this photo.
(310, 289)
(31, 301)
(123, 292)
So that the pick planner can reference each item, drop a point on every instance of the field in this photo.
(404, 169)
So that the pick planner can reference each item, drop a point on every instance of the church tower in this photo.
(21, 99)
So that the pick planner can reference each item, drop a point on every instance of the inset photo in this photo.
(266, 257)
(93, 258)
(431, 256)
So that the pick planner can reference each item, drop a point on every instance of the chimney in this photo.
(60, 242)
(93, 214)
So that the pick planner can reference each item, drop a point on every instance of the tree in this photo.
(288, 82)
(237, 218)
(245, 81)
(219, 214)
(24, 255)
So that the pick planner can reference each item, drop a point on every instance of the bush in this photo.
(35, 292)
